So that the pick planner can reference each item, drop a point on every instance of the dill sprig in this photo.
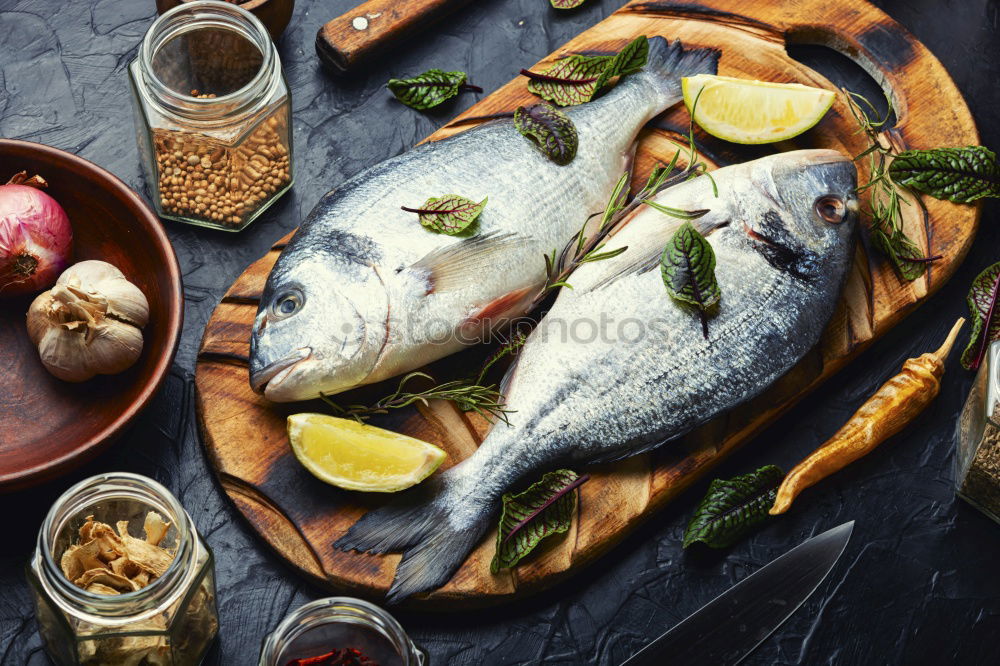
(586, 248)
(467, 395)
(885, 200)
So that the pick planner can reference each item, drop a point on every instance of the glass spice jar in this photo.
(169, 622)
(335, 623)
(212, 115)
(977, 461)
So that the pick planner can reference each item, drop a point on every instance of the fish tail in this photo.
(667, 62)
(435, 527)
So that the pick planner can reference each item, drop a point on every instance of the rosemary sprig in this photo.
(885, 200)
(586, 248)
(466, 394)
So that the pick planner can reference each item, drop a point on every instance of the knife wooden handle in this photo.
(366, 31)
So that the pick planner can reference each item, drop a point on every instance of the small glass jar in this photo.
(171, 621)
(212, 115)
(324, 625)
(977, 461)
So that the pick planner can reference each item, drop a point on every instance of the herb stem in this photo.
(429, 211)
(470, 88)
(556, 79)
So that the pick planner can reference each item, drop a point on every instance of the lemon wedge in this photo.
(745, 111)
(356, 456)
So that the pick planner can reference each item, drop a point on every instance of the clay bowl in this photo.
(48, 426)
(274, 14)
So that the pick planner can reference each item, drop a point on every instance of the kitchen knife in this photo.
(728, 628)
(369, 30)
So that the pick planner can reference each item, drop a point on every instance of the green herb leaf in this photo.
(982, 300)
(629, 60)
(733, 508)
(550, 129)
(577, 79)
(451, 214)
(544, 509)
(430, 88)
(566, 4)
(688, 269)
(905, 255)
(956, 174)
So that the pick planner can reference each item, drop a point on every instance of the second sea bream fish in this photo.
(617, 368)
(363, 292)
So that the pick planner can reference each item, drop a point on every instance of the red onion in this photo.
(35, 236)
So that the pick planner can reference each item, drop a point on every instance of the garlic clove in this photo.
(103, 282)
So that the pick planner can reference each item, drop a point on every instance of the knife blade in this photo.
(728, 628)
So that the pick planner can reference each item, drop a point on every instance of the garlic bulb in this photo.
(89, 322)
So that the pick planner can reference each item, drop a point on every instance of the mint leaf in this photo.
(688, 269)
(430, 88)
(577, 79)
(550, 129)
(982, 300)
(733, 508)
(544, 509)
(451, 214)
(961, 175)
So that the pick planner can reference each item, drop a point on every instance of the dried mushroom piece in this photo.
(104, 559)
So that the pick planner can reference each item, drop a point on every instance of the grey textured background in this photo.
(919, 582)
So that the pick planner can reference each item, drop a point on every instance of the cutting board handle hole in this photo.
(813, 50)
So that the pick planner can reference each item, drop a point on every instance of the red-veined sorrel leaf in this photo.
(566, 4)
(576, 79)
(429, 89)
(544, 509)
(733, 507)
(983, 307)
(451, 214)
(550, 129)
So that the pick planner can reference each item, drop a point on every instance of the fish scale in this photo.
(332, 318)
(585, 399)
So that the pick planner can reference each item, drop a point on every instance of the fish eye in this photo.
(831, 209)
(287, 303)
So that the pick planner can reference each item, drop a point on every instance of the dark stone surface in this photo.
(918, 583)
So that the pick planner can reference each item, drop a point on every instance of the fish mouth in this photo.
(278, 370)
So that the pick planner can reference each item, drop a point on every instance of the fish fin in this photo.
(434, 537)
(499, 309)
(460, 264)
(667, 62)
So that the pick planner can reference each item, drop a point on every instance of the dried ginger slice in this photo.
(100, 588)
(155, 528)
(152, 559)
(105, 577)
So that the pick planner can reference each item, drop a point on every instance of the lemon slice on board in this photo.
(356, 456)
(746, 111)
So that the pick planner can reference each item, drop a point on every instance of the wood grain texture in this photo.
(368, 30)
(300, 517)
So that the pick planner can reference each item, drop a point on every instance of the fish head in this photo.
(320, 326)
(800, 209)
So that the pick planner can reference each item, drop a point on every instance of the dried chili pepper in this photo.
(887, 412)
(338, 657)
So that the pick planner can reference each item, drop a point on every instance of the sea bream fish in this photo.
(616, 368)
(363, 292)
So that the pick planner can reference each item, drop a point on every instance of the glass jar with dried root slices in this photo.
(212, 114)
(120, 576)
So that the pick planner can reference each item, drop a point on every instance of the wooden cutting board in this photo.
(301, 517)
